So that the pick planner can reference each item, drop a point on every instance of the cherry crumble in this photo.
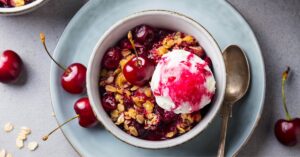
(133, 108)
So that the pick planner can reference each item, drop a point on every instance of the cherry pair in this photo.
(73, 80)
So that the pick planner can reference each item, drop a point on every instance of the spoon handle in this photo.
(225, 113)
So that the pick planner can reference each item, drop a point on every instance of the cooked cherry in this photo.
(143, 51)
(138, 70)
(109, 102)
(169, 116)
(112, 58)
(4, 2)
(10, 66)
(144, 34)
(125, 44)
(127, 102)
(162, 33)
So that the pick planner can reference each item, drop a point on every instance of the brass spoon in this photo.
(238, 80)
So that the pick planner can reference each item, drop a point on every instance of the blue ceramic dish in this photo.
(224, 23)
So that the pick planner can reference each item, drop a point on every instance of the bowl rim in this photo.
(22, 9)
(143, 13)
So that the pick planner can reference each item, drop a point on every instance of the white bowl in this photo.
(23, 9)
(162, 19)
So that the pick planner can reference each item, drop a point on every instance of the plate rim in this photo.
(225, 2)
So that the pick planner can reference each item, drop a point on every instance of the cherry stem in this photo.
(45, 138)
(284, 77)
(129, 36)
(43, 39)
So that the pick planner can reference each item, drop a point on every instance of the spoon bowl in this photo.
(238, 73)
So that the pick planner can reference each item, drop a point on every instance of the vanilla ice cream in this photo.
(182, 82)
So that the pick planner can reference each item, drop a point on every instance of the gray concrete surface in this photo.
(276, 24)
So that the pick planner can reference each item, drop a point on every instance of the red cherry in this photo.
(84, 113)
(288, 131)
(4, 2)
(162, 33)
(125, 44)
(109, 102)
(10, 66)
(112, 58)
(144, 34)
(138, 70)
(86, 117)
(74, 78)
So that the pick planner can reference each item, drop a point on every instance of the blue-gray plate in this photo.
(225, 24)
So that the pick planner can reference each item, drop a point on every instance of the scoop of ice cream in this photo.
(182, 82)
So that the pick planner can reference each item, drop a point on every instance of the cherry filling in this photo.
(129, 101)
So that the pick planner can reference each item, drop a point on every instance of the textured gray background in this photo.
(276, 24)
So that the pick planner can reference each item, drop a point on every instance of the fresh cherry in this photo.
(86, 117)
(73, 80)
(10, 66)
(109, 102)
(144, 34)
(287, 130)
(112, 58)
(138, 70)
(84, 113)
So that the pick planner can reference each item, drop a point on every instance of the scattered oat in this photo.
(9, 155)
(19, 143)
(8, 127)
(32, 146)
(2, 153)
(22, 136)
(25, 130)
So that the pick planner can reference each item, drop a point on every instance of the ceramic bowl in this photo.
(162, 19)
(23, 9)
